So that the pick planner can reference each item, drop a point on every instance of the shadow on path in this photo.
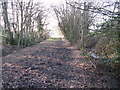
(50, 65)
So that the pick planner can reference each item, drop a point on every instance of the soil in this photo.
(8, 49)
(53, 64)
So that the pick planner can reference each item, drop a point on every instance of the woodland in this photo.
(87, 57)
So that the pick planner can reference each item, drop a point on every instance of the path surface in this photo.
(52, 64)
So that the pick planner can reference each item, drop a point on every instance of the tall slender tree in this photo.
(6, 21)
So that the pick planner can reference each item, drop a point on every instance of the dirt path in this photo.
(52, 64)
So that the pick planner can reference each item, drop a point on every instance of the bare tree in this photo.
(74, 22)
(23, 22)
(6, 21)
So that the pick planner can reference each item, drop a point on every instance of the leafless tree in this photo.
(22, 20)
(6, 21)
(74, 22)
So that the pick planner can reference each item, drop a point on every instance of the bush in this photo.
(105, 47)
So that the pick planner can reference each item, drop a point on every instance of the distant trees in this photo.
(23, 22)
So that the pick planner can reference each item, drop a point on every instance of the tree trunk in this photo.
(118, 50)
(5, 17)
(20, 42)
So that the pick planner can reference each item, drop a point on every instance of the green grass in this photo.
(52, 39)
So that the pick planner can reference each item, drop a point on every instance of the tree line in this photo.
(76, 19)
(23, 22)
